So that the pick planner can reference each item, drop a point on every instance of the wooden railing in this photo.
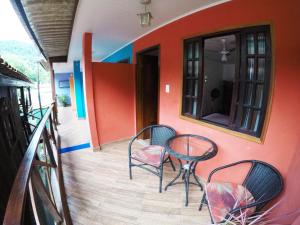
(38, 195)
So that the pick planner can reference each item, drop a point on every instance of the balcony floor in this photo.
(72, 130)
(99, 190)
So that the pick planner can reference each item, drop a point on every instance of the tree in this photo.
(24, 57)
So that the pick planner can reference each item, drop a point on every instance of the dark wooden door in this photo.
(147, 96)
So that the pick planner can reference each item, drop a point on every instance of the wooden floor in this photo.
(72, 130)
(100, 192)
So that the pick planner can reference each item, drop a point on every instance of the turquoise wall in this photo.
(122, 54)
(79, 94)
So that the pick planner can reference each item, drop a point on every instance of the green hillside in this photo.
(23, 56)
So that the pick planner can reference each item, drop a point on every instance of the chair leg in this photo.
(160, 184)
(130, 170)
(203, 201)
(171, 162)
(130, 173)
(161, 177)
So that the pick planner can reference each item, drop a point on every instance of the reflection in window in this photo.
(227, 77)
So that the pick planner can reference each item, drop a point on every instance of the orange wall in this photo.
(114, 100)
(110, 88)
(72, 94)
(281, 144)
(283, 131)
(110, 97)
(291, 199)
(297, 221)
(87, 65)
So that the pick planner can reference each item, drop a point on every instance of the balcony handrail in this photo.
(17, 200)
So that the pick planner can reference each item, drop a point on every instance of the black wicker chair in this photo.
(263, 181)
(159, 134)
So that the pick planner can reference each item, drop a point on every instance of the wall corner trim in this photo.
(87, 66)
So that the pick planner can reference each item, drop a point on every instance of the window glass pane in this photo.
(196, 68)
(190, 51)
(259, 95)
(246, 118)
(194, 110)
(195, 88)
(261, 39)
(250, 69)
(197, 50)
(190, 68)
(187, 87)
(248, 94)
(232, 90)
(261, 69)
(255, 120)
(250, 44)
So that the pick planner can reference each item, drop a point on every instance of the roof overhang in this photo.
(49, 23)
(9, 76)
(58, 32)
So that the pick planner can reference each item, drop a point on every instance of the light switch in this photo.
(167, 88)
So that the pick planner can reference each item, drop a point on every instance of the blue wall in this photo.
(62, 90)
(122, 54)
(79, 94)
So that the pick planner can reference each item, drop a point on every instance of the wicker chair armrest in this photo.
(224, 167)
(136, 136)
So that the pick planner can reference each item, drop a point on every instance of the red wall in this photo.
(283, 131)
(297, 221)
(87, 65)
(291, 199)
(114, 100)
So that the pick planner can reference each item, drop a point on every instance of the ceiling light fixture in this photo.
(145, 18)
(224, 51)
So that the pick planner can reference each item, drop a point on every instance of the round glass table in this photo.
(189, 150)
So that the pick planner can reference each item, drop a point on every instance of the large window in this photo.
(227, 78)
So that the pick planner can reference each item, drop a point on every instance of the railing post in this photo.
(49, 147)
(29, 96)
(55, 111)
(52, 130)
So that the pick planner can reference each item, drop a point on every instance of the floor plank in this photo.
(100, 192)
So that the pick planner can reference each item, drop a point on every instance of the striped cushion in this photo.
(223, 197)
(149, 155)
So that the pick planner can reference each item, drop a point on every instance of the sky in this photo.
(11, 26)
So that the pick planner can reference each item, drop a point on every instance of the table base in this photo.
(187, 170)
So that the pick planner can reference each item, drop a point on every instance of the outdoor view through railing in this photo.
(37, 195)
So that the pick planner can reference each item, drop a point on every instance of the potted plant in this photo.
(63, 100)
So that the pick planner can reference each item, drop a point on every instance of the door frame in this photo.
(139, 88)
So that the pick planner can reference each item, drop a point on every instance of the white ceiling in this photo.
(114, 23)
(213, 47)
(215, 43)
